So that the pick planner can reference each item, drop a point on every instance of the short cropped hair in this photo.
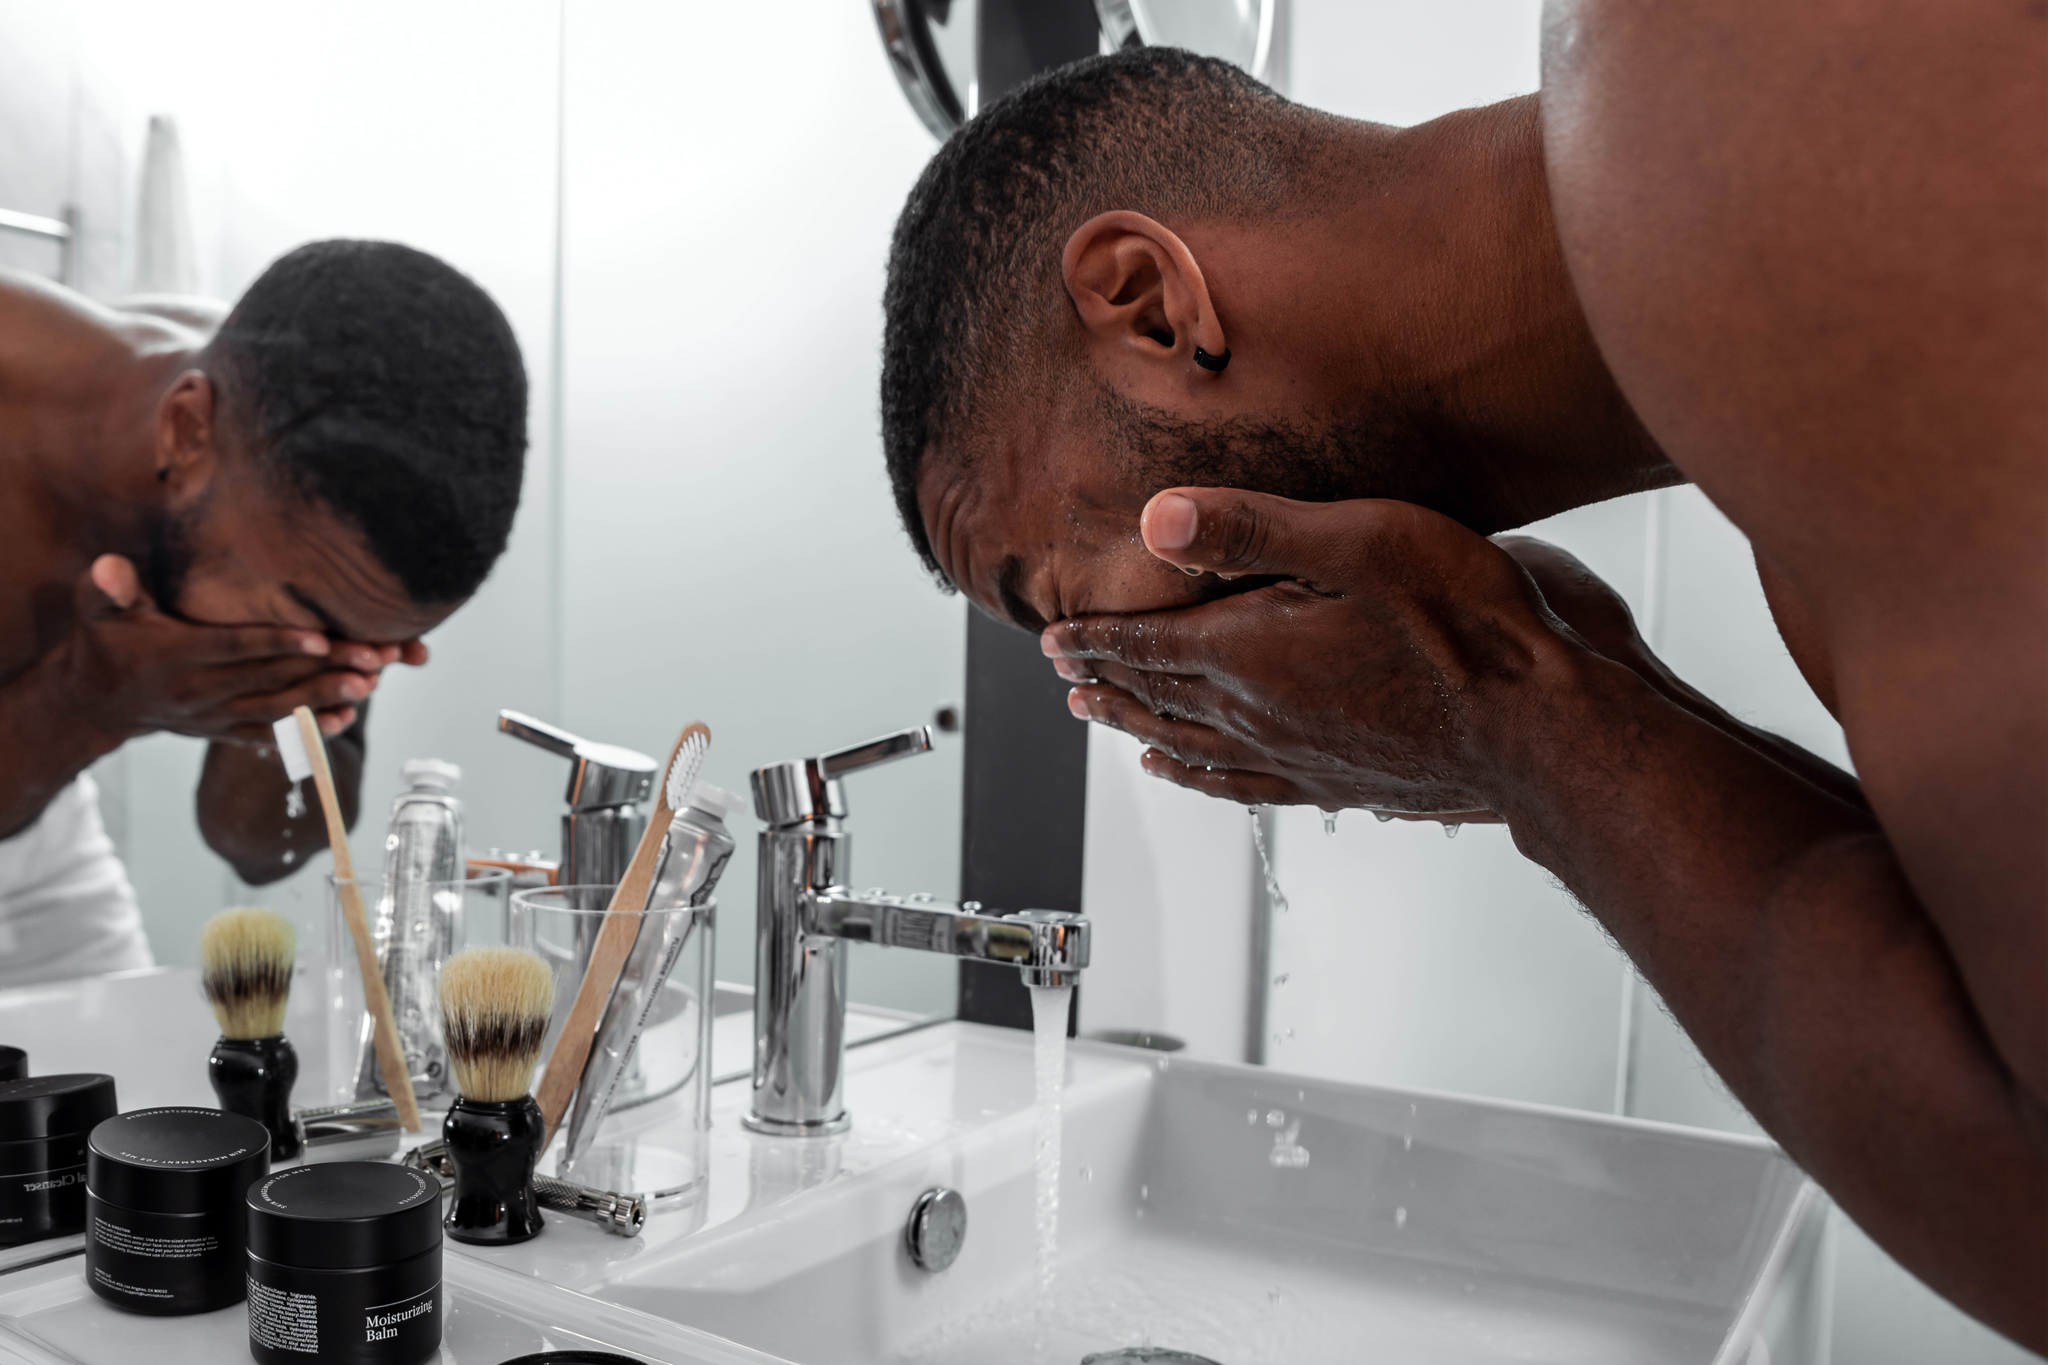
(974, 291)
(386, 384)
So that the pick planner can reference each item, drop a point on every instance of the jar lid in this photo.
(54, 1106)
(344, 1215)
(176, 1160)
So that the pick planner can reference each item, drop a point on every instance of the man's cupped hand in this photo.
(127, 668)
(1388, 665)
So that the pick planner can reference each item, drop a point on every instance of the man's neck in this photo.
(1486, 348)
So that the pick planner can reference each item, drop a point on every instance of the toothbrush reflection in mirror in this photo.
(246, 971)
(304, 755)
(494, 1015)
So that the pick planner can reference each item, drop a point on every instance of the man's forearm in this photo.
(1775, 923)
(45, 742)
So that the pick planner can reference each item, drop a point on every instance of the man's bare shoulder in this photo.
(48, 332)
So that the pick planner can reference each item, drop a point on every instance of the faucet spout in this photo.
(804, 912)
(1050, 947)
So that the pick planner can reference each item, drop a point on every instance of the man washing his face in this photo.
(210, 522)
(1226, 396)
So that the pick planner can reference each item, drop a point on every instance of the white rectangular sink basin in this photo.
(1240, 1215)
(1249, 1217)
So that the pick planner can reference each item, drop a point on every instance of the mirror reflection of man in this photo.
(1225, 396)
(206, 522)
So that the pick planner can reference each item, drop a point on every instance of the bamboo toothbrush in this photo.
(494, 1014)
(246, 972)
(615, 937)
(305, 755)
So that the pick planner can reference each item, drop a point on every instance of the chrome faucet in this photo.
(804, 912)
(606, 786)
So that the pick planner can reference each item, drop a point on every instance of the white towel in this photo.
(66, 908)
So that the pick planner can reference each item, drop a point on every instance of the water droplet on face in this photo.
(1144, 1191)
(1276, 1118)
(294, 802)
(1281, 979)
(1383, 816)
(1330, 822)
(1251, 1116)
(1451, 829)
(289, 855)
(1400, 1218)
(1408, 1143)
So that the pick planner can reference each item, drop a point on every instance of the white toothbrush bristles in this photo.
(291, 747)
(682, 773)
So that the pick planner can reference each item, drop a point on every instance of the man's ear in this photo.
(1142, 301)
(187, 436)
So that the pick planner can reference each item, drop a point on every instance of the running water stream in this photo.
(1049, 1057)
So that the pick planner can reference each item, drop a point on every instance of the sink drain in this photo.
(1145, 1355)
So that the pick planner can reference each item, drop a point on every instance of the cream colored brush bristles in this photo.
(246, 970)
(494, 1013)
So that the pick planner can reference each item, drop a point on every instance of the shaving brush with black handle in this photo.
(494, 1016)
(246, 972)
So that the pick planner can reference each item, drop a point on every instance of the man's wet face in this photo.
(1044, 524)
(1035, 536)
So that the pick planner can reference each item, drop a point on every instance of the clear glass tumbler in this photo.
(447, 918)
(665, 989)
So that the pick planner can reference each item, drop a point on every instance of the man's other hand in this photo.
(128, 669)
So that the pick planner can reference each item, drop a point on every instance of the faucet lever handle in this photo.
(538, 733)
(602, 775)
(887, 749)
(808, 788)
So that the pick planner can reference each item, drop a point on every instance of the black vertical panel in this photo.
(1024, 801)
(1017, 39)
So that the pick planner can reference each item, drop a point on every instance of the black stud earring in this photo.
(1212, 363)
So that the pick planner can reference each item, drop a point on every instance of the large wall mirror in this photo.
(693, 272)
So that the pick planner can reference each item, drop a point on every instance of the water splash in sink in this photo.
(1049, 1058)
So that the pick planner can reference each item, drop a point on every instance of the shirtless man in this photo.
(1224, 397)
(201, 530)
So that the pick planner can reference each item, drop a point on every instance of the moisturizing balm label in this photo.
(387, 1321)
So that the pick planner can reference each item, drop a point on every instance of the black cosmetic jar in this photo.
(166, 1227)
(345, 1265)
(13, 1064)
(43, 1126)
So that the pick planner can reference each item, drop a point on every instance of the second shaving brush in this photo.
(246, 971)
(494, 1015)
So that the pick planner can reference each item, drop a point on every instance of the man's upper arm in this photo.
(1807, 240)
